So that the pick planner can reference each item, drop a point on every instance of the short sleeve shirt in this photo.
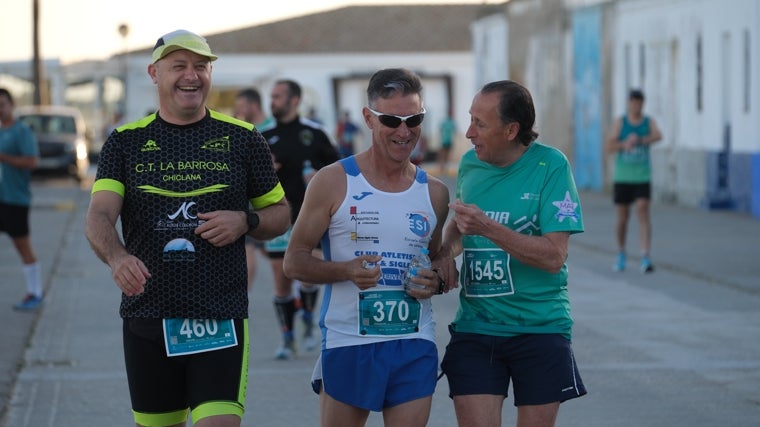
(16, 140)
(167, 174)
(536, 195)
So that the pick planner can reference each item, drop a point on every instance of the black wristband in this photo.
(442, 284)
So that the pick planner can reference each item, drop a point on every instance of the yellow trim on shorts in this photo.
(107, 184)
(273, 196)
(165, 419)
(223, 407)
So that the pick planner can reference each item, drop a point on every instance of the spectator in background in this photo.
(630, 140)
(300, 147)
(19, 155)
(248, 108)
(346, 135)
(448, 130)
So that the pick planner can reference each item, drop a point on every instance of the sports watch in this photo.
(253, 220)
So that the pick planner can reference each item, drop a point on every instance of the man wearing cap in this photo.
(187, 183)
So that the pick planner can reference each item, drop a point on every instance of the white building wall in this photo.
(655, 48)
(668, 31)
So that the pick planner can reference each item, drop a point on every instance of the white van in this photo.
(62, 138)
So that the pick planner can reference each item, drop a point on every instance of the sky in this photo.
(75, 30)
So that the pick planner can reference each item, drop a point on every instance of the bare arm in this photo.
(654, 133)
(443, 265)
(221, 228)
(612, 142)
(323, 196)
(547, 252)
(19, 162)
(129, 273)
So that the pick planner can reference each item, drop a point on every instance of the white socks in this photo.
(33, 276)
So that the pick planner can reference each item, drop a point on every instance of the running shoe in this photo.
(30, 302)
(646, 265)
(309, 342)
(620, 262)
(287, 351)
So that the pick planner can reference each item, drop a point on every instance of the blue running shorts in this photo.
(379, 375)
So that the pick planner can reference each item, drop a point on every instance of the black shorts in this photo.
(625, 194)
(163, 388)
(14, 220)
(541, 367)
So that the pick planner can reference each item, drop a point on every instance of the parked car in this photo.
(62, 137)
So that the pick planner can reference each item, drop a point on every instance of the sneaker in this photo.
(620, 263)
(309, 342)
(30, 302)
(286, 351)
(646, 265)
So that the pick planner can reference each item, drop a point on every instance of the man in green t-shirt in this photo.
(516, 207)
(630, 139)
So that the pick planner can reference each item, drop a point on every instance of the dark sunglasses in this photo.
(394, 121)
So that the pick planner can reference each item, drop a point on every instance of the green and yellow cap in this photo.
(181, 39)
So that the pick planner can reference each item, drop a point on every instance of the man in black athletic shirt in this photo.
(183, 181)
(300, 147)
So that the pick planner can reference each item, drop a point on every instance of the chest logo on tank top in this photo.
(419, 224)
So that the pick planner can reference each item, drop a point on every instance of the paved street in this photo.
(675, 348)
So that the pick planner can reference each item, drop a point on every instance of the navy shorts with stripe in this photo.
(541, 367)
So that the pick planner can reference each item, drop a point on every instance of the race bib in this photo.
(486, 273)
(388, 313)
(279, 243)
(188, 336)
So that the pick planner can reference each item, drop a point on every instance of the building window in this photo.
(699, 73)
(747, 73)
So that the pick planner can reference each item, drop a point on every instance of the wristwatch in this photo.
(253, 220)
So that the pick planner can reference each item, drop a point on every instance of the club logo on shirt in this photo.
(365, 223)
(307, 137)
(150, 145)
(566, 208)
(179, 250)
(184, 218)
(221, 145)
(419, 224)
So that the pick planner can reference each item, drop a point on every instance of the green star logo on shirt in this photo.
(566, 208)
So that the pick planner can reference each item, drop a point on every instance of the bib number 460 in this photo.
(197, 328)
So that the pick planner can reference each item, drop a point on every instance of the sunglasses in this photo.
(394, 121)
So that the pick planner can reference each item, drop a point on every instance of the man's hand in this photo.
(130, 274)
(220, 228)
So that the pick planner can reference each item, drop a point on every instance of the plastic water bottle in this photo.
(307, 171)
(420, 261)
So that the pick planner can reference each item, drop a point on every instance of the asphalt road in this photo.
(678, 347)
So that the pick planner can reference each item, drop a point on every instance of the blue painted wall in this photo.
(587, 98)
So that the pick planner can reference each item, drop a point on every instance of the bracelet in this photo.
(442, 284)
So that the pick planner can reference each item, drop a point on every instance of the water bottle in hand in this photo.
(420, 261)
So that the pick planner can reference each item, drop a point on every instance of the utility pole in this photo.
(36, 61)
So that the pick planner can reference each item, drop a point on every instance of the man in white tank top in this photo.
(372, 213)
